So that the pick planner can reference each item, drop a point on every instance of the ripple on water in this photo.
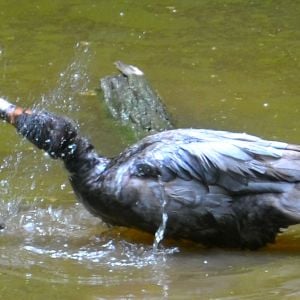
(53, 240)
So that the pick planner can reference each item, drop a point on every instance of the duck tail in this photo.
(289, 205)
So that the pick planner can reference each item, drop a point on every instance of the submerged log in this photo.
(132, 101)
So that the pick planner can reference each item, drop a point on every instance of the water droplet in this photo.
(29, 227)
(159, 234)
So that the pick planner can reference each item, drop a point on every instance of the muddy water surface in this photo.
(231, 65)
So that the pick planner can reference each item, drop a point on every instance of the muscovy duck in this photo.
(220, 188)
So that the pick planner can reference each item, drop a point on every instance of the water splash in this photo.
(59, 239)
(17, 167)
(72, 82)
(53, 234)
(159, 234)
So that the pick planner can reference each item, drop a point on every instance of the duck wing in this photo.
(237, 162)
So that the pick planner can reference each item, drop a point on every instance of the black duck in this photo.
(220, 188)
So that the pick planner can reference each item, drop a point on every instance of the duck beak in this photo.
(9, 112)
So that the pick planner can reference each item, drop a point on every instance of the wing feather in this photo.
(236, 162)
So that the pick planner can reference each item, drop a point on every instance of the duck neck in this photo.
(84, 161)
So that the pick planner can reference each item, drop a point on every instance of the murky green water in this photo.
(230, 65)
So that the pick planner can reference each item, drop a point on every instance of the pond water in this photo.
(231, 65)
